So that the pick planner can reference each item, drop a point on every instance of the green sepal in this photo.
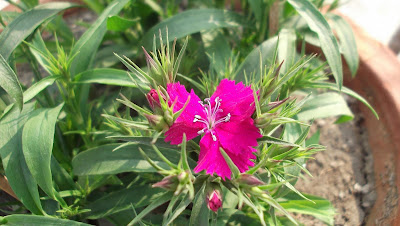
(235, 170)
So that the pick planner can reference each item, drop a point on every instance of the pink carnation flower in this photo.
(224, 120)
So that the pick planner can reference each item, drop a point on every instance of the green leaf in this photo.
(85, 49)
(35, 89)
(94, 5)
(252, 62)
(39, 86)
(292, 133)
(30, 3)
(192, 21)
(230, 199)
(325, 105)
(144, 140)
(23, 219)
(200, 211)
(156, 203)
(314, 139)
(179, 209)
(26, 23)
(40, 52)
(117, 23)
(321, 209)
(105, 56)
(274, 140)
(16, 170)
(217, 49)
(235, 170)
(61, 177)
(272, 202)
(107, 76)
(347, 42)
(319, 25)
(347, 91)
(117, 201)
(103, 160)
(235, 217)
(37, 145)
(184, 158)
(286, 49)
(257, 7)
(9, 82)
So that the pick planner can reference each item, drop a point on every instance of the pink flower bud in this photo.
(214, 201)
(151, 64)
(157, 122)
(168, 183)
(250, 180)
(152, 98)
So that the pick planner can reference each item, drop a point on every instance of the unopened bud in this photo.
(168, 117)
(249, 180)
(153, 99)
(214, 200)
(151, 64)
(264, 120)
(157, 122)
(275, 104)
(183, 176)
(155, 70)
(168, 183)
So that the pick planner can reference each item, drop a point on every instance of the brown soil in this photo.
(343, 173)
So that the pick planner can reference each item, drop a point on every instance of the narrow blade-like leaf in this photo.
(9, 82)
(37, 145)
(26, 23)
(319, 25)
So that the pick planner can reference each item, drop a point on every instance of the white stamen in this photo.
(201, 103)
(211, 116)
(213, 136)
(228, 117)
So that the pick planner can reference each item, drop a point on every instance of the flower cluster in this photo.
(228, 134)
(224, 121)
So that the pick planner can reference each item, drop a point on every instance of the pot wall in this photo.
(378, 80)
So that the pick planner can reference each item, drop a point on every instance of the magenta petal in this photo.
(236, 137)
(243, 161)
(184, 123)
(236, 99)
(178, 93)
(176, 131)
(211, 159)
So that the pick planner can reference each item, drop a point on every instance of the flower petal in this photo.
(184, 123)
(235, 137)
(243, 161)
(236, 99)
(211, 159)
(176, 131)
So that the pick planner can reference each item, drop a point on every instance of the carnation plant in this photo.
(208, 126)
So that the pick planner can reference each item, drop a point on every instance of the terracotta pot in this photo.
(378, 80)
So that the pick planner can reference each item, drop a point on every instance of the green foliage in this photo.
(37, 150)
(73, 152)
(26, 23)
(329, 45)
(9, 82)
(15, 167)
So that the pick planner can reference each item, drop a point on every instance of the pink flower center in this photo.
(213, 117)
